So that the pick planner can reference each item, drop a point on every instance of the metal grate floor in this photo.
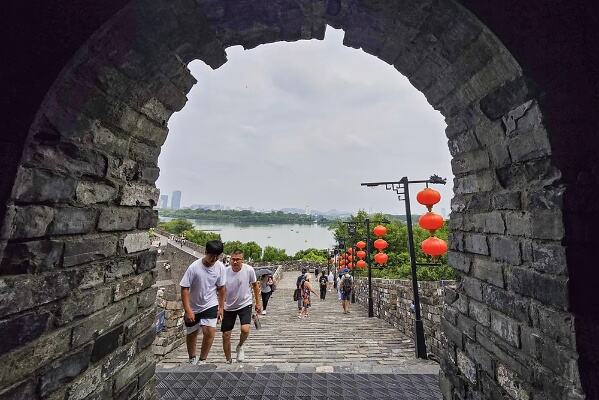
(305, 386)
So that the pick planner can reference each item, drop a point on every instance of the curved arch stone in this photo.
(90, 162)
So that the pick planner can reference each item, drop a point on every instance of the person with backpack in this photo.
(298, 290)
(346, 285)
(323, 283)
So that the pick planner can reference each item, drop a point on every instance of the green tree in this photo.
(176, 226)
(273, 254)
(252, 251)
(200, 237)
(398, 265)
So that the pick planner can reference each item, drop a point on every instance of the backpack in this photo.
(346, 285)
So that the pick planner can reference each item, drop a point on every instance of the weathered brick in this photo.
(547, 225)
(21, 391)
(137, 194)
(132, 285)
(507, 201)
(134, 242)
(84, 303)
(481, 356)
(118, 219)
(507, 97)
(511, 382)
(474, 243)
(459, 261)
(22, 329)
(508, 303)
(472, 287)
(27, 222)
(146, 261)
(467, 367)
(36, 186)
(505, 328)
(482, 181)
(557, 325)
(480, 312)
(488, 271)
(19, 293)
(506, 249)
(148, 218)
(107, 343)
(94, 192)
(130, 371)
(32, 256)
(72, 220)
(518, 224)
(549, 258)
(549, 290)
(21, 362)
(65, 369)
(87, 383)
(103, 320)
(117, 360)
(89, 248)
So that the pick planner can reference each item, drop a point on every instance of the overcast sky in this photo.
(302, 124)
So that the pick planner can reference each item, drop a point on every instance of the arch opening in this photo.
(82, 199)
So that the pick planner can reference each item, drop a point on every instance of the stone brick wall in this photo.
(392, 299)
(77, 215)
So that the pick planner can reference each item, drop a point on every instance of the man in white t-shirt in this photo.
(203, 295)
(241, 282)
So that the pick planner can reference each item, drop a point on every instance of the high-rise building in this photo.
(176, 200)
(164, 201)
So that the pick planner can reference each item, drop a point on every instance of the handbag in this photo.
(296, 295)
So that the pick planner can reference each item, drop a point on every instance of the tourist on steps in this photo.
(298, 284)
(241, 283)
(346, 285)
(306, 290)
(267, 287)
(331, 281)
(203, 297)
(323, 281)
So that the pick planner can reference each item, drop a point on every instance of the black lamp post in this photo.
(401, 187)
(351, 231)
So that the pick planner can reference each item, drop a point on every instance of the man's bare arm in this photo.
(187, 304)
(257, 298)
(221, 292)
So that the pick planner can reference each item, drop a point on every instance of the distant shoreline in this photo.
(246, 217)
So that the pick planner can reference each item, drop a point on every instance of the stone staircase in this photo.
(327, 341)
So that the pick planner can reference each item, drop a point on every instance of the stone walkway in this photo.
(328, 341)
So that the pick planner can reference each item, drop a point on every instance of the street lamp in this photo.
(351, 231)
(401, 187)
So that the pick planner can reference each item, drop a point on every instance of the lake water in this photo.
(290, 237)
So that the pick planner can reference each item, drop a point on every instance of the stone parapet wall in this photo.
(392, 300)
(169, 318)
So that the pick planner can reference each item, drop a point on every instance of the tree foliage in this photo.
(398, 266)
(273, 254)
(313, 255)
(176, 226)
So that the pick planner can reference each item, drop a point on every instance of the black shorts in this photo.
(245, 317)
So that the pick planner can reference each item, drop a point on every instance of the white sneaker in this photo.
(240, 353)
(263, 312)
(201, 362)
(194, 360)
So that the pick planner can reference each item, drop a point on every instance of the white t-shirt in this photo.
(331, 278)
(202, 282)
(239, 291)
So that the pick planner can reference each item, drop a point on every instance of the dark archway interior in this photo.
(555, 45)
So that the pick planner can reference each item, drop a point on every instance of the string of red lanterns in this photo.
(380, 244)
(433, 246)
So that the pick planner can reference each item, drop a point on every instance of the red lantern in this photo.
(350, 250)
(361, 254)
(431, 221)
(428, 197)
(361, 264)
(342, 262)
(433, 246)
(379, 230)
(380, 244)
(361, 245)
(350, 258)
(381, 258)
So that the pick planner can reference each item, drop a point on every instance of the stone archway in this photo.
(77, 304)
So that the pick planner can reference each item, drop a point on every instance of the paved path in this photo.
(328, 341)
